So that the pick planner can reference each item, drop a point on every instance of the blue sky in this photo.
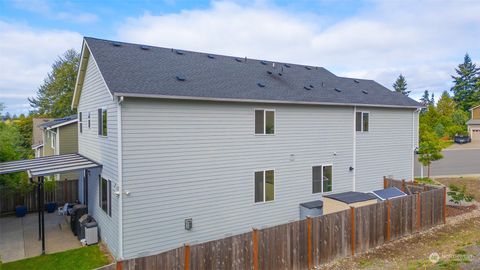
(424, 40)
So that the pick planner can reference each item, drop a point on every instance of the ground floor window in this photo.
(264, 186)
(105, 199)
(322, 178)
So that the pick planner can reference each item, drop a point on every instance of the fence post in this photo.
(309, 242)
(444, 205)
(352, 209)
(187, 256)
(255, 248)
(419, 209)
(403, 185)
(119, 265)
(388, 219)
(385, 184)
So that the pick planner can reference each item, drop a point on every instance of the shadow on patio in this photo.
(19, 236)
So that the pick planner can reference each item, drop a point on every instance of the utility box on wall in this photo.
(312, 209)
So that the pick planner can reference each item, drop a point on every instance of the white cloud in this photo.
(424, 41)
(26, 57)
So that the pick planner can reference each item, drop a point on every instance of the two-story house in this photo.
(197, 146)
(60, 136)
(474, 124)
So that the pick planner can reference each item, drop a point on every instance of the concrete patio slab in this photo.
(19, 236)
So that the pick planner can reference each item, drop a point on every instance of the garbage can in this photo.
(78, 211)
(81, 225)
(91, 232)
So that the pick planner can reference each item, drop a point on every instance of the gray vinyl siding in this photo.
(101, 149)
(68, 143)
(386, 149)
(197, 159)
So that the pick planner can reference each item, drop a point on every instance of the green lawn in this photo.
(89, 257)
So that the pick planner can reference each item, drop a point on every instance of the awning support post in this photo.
(39, 210)
(42, 209)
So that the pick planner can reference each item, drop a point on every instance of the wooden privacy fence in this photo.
(65, 191)
(311, 242)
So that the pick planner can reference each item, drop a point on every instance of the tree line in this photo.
(441, 121)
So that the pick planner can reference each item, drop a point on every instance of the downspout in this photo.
(354, 146)
(413, 143)
(120, 177)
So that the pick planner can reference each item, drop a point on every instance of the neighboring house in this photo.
(37, 135)
(225, 144)
(474, 124)
(60, 136)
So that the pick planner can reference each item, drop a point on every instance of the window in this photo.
(322, 178)
(89, 120)
(102, 122)
(80, 122)
(264, 122)
(264, 186)
(362, 121)
(105, 199)
(53, 139)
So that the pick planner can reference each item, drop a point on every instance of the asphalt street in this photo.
(456, 161)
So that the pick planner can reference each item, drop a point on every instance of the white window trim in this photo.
(264, 189)
(265, 121)
(361, 122)
(53, 139)
(80, 122)
(311, 178)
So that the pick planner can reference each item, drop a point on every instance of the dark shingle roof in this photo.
(389, 193)
(351, 197)
(135, 70)
(313, 204)
(58, 121)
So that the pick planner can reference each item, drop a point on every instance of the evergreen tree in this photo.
(54, 96)
(446, 105)
(466, 90)
(400, 85)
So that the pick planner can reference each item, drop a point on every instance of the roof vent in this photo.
(269, 72)
(357, 81)
(307, 88)
(144, 47)
(280, 74)
(338, 90)
(365, 91)
(311, 85)
(323, 84)
(181, 78)
(287, 65)
(238, 60)
(211, 56)
(178, 52)
(261, 84)
(263, 63)
(116, 44)
(308, 68)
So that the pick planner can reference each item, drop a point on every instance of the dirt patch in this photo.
(472, 184)
(456, 244)
(453, 211)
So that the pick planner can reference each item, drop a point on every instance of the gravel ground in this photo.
(457, 244)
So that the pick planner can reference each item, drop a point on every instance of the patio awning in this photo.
(49, 165)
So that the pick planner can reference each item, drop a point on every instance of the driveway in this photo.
(458, 160)
(19, 236)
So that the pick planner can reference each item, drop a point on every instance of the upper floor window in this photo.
(264, 122)
(53, 139)
(264, 186)
(362, 121)
(322, 178)
(102, 122)
(80, 124)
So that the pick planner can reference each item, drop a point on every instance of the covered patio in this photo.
(39, 233)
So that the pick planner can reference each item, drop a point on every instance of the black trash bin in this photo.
(78, 210)
(82, 221)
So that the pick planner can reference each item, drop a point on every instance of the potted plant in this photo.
(19, 185)
(49, 185)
